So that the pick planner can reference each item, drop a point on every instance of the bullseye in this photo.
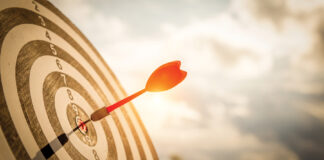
(81, 125)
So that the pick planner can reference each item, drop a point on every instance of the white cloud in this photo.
(234, 59)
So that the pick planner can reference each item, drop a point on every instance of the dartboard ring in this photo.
(52, 79)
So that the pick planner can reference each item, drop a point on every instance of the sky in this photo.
(255, 83)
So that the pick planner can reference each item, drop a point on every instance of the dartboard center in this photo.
(82, 128)
(81, 125)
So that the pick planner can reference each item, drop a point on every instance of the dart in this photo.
(163, 78)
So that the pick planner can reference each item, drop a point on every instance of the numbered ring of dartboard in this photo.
(52, 80)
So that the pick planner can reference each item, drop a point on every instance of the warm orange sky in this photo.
(255, 83)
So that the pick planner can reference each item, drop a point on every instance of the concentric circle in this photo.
(52, 79)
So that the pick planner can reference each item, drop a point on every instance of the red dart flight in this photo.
(163, 78)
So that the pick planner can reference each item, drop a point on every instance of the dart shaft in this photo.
(123, 101)
(104, 111)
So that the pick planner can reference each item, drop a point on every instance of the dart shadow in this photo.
(51, 148)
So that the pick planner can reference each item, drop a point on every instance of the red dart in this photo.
(163, 78)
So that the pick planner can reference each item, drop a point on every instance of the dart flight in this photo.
(163, 78)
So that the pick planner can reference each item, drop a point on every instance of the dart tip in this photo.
(99, 114)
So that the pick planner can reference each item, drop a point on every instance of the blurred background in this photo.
(255, 84)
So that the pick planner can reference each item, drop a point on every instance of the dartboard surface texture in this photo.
(52, 79)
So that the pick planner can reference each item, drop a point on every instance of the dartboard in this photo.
(52, 79)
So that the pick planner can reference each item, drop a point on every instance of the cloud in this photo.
(295, 129)
(314, 58)
(255, 85)
(308, 14)
(275, 11)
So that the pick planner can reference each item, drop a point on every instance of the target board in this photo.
(52, 79)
